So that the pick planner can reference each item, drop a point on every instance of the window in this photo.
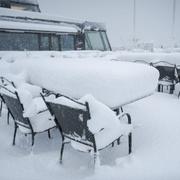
(94, 40)
(5, 3)
(105, 39)
(67, 42)
(54, 43)
(44, 42)
(79, 45)
(25, 7)
(18, 41)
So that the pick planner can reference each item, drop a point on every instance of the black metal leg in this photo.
(172, 87)
(159, 88)
(61, 153)
(130, 143)
(1, 108)
(49, 134)
(33, 135)
(96, 160)
(15, 131)
(8, 116)
(122, 109)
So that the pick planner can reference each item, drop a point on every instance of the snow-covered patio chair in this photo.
(71, 117)
(5, 82)
(38, 124)
(168, 76)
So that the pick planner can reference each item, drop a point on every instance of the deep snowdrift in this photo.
(111, 82)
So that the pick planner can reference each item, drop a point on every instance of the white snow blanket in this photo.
(111, 82)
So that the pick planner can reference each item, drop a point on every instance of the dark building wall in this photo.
(5, 3)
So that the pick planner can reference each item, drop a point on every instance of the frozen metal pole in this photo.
(173, 21)
(134, 23)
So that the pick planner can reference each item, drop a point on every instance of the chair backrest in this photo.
(72, 121)
(5, 82)
(178, 72)
(15, 108)
(166, 70)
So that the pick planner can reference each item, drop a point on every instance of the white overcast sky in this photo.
(153, 17)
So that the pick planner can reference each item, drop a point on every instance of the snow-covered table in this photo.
(111, 82)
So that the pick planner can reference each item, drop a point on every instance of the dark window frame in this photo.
(67, 34)
(102, 39)
(20, 33)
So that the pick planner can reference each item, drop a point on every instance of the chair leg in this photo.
(118, 141)
(130, 143)
(49, 134)
(32, 136)
(172, 87)
(97, 162)
(61, 152)
(1, 108)
(15, 131)
(122, 109)
(8, 116)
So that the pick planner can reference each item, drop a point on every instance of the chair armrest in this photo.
(127, 115)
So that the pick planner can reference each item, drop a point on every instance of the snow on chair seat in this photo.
(82, 122)
(38, 124)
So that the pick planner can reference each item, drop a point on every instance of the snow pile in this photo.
(155, 149)
(101, 55)
(31, 100)
(148, 57)
(111, 82)
(67, 102)
(104, 123)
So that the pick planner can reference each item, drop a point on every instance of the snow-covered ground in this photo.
(155, 149)
(155, 118)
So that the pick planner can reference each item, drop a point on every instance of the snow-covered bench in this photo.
(42, 122)
(168, 75)
(75, 122)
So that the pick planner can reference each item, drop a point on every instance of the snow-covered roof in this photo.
(23, 20)
(45, 18)
(35, 2)
(12, 25)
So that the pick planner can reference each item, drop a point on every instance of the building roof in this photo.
(35, 2)
(36, 17)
